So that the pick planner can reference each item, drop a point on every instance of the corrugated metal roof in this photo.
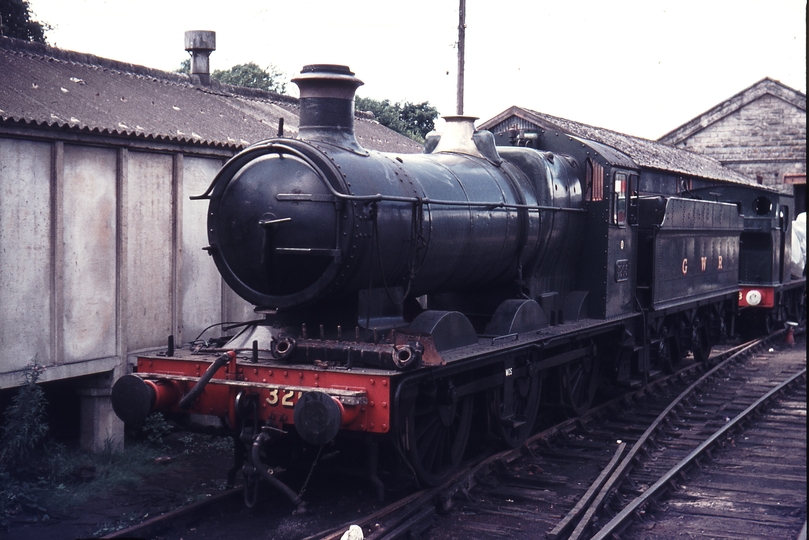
(44, 86)
(645, 153)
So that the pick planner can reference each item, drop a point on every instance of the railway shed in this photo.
(645, 153)
(100, 245)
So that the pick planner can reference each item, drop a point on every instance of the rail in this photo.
(658, 486)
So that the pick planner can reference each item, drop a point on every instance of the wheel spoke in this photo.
(437, 448)
(579, 384)
(514, 424)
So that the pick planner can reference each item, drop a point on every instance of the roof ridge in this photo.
(90, 60)
(598, 128)
(220, 88)
(726, 107)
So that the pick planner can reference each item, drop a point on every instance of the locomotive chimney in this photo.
(200, 43)
(327, 104)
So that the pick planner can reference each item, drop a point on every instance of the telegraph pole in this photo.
(461, 39)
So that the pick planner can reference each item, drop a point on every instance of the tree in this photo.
(185, 67)
(420, 117)
(414, 120)
(248, 75)
(16, 21)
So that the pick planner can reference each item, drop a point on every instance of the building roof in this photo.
(645, 153)
(47, 87)
(765, 86)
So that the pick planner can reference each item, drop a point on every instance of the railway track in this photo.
(540, 490)
(652, 449)
(748, 480)
(546, 488)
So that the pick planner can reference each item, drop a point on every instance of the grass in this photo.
(57, 479)
(40, 477)
(91, 474)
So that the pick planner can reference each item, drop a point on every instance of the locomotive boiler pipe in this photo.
(282, 148)
(267, 475)
(378, 197)
(189, 398)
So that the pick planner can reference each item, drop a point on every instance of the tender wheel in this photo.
(513, 424)
(437, 431)
(796, 311)
(672, 355)
(767, 322)
(579, 384)
(761, 323)
(702, 345)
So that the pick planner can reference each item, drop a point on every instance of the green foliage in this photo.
(414, 120)
(155, 428)
(23, 433)
(58, 478)
(25, 424)
(39, 477)
(185, 67)
(16, 20)
(420, 117)
(250, 75)
(16, 497)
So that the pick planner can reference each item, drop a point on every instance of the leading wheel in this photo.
(579, 384)
(437, 431)
(513, 422)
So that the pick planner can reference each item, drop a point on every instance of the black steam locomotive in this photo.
(404, 298)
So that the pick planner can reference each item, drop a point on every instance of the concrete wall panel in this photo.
(200, 284)
(236, 308)
(25, 254)
(89, 253)
(149, 241)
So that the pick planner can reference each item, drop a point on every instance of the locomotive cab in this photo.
(602, 283)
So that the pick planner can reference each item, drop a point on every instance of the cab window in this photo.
(619, 187)
(595, 181)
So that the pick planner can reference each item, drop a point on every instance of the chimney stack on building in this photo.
(200, 43)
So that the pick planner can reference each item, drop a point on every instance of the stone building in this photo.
(760, 132)
(100, 245)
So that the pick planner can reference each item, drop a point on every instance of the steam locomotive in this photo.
(404, 298)
(772, 287)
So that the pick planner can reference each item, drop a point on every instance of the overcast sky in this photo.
(639, 67)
